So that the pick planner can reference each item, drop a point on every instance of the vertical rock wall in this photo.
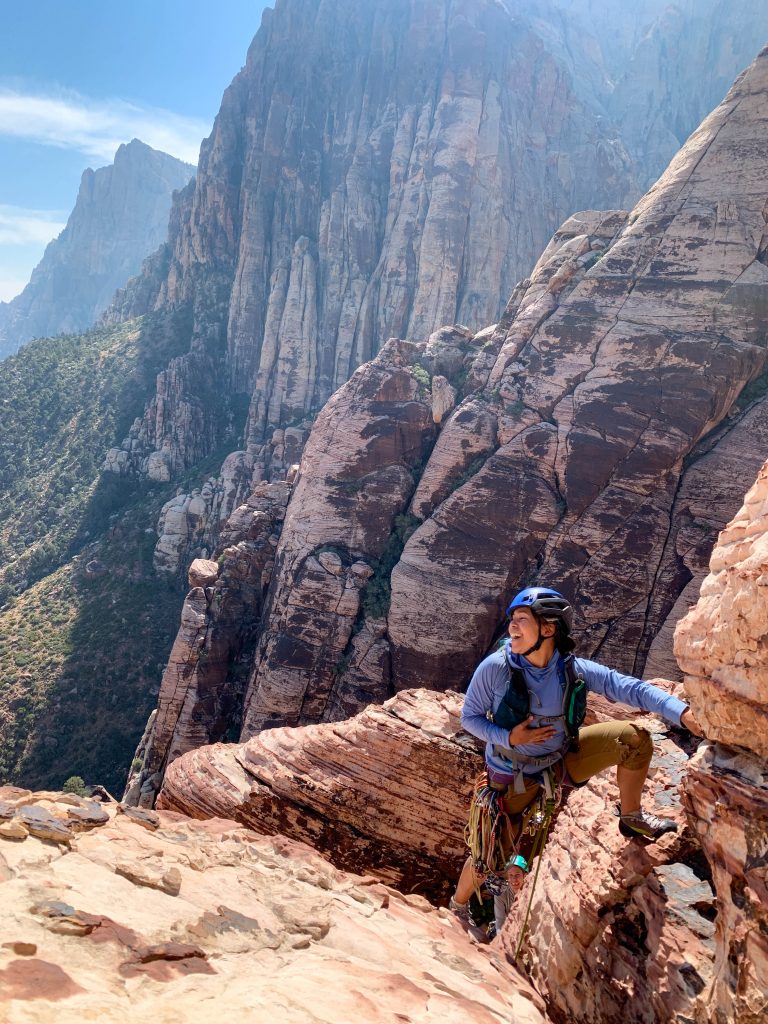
(722, 645)
(376, 169)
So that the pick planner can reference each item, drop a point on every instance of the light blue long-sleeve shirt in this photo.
(489, 684)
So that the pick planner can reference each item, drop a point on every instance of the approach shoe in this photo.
(461, 912)
(641, 825)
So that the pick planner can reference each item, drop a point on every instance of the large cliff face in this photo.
(376, 169)
(682, 65)
(403, 174)
(612, 420)
(614, 376)
(120, 217)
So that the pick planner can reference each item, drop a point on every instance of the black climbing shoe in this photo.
(641, 825)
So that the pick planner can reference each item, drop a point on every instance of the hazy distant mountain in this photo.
(657, 67)
(121, 215)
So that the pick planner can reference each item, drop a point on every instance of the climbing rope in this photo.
(550, 804)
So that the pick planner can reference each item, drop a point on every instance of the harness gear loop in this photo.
(489, 833)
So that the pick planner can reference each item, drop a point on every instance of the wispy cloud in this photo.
(29, 227)
(97, 128)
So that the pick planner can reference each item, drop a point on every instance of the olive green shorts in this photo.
(600, 747)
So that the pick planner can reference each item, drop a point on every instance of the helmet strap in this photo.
(538, 643)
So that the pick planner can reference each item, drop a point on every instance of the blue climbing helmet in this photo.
(549, 605)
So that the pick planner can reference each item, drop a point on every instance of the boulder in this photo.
(386, 792)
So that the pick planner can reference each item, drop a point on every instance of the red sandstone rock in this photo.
(262, 928)
(615, 371)
(386, 792)
(357, 476)
(721, 645)
(620, 930)
(726, 796)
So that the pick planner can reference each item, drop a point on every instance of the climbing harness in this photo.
(488, 839)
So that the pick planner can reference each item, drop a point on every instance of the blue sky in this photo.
(79, 77)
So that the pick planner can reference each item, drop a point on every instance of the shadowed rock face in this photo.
(657, 67)
(376, 169)
(120, 217)
(358, 475)
(386, 792)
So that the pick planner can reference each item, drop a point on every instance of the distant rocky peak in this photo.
(119, 218)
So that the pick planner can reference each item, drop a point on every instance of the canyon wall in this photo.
(403, 172)
(595, 438)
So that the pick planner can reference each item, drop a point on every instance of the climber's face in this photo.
(524, 630)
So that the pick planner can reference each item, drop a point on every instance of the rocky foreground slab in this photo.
(152, 918)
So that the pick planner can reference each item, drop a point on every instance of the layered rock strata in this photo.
(403, 173)
(153, 917)
(620, 930)
(722, 644)
(722, 647)
(120, 217)
(356, 478)
(387, 791)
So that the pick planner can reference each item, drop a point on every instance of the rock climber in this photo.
(527, 700)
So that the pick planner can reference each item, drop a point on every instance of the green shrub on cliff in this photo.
(74, 784)
(378, 593)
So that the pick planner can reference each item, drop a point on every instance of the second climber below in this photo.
(527, 701)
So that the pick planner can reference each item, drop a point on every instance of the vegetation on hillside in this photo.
(63, 402)
(85, 623)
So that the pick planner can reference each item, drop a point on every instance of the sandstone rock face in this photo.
(620, 930)
(608, 375)
(623, 377)
(720, 471)
(201, 693)
(199, 919)
(386, 792)
(722, 644)
(657, 68)
(120, 217)
(356, 478)
(726, 795)
(400, 174)
(658, 101)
